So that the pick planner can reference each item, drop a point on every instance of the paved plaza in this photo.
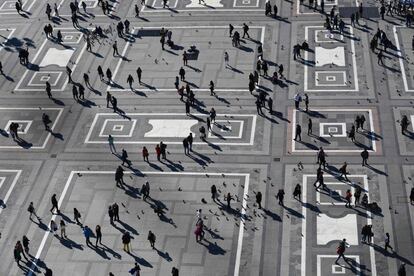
(233, 130)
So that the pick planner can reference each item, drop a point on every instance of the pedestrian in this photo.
(108, 99)
(32, 211)
(404, 124)
(231, 28)
(245, 30)
(1, 68)
(357, 195)
(69, 73)
(174, 271)
(297, 99)
(87, 232)
(362, 119)
(111, 214)
(259, 199)
(198, 232)
(115, 208)
(98, 233)
(19, 247)
(348, 197)
(81, 92)
(139, 74)
(341, 250)
(126, 241)
(158, 152)
(412, 196)
(187, 106)
(26, 242)
(114, 103)
(136, 11)
(77, 216)
(228, 199)
(151, 239)
(270, 105)
(351, 134)
(309, 127)
(226, 59)
(275, 11)
(124, 158)
(185, 145)
(63, 229)
(53, 226)
(185, 58)
(145, 154)
(48, 90)
(280, 195)
(319, 179)
(111, 143)
(163, 150)
(298, 132)
(181, 72)
(365, 156)
(387, 242)
(208, 124)
(306, 102)
(130, 81)
(115, 49)
(190, 140)
(380, 56)
(135, 271)
(213, 190)
(100, 73)
(75, 93)
(54, 204)
(109, 75)
(297, 192)
(211, 85)
(321, 158)
(401, 270)
(16, 251)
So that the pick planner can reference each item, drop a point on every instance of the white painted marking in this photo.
(372, 129)
(48, 74)
(132, 122)
(57, 57)
(336, 269)
(95, 120)
(6, 197)
(341, 133)
(38, 109)
(319, 77)
(325, 56)
(329, 229)
(401, 59)
(207, 4)
(354, 65)
(228, 124)
(22, 123)
(170, 127)
(242, 222)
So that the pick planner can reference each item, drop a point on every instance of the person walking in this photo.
(111, 144)
(53, 226)
(139, 75)
(185, 145)
(190, 140)
(280, 196)
(135, 271)
(245, 30)
(341, 250)
(115, 208)
(115, 49)
(297, 192)
(387, 242)
(298, 133)
(228, 199)
(380, 56)
(98, 233)
(175, 271)
(412, 196)
(151, 238)
(130, 81)
(357, 195)
(309, 127)
(63, 229)
(306, 102)
(124, 158)
(181, 72)
(54, 204)
(226, 59)
(158, 152)
(111, 214)
(348, 197)
(365, 156)
(87, 232)
(126, 241)
(100, 72)
(163, 150)
(77, 216)
(343, 171)
(259, 199)
(145, 154)
(26, 242)
(213, 191)
(32, 211)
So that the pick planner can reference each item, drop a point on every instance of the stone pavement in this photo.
(244, 153)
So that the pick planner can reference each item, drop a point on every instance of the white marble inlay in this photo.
(325, 56)
(332, 229)
(170, 128)
(57, 57)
